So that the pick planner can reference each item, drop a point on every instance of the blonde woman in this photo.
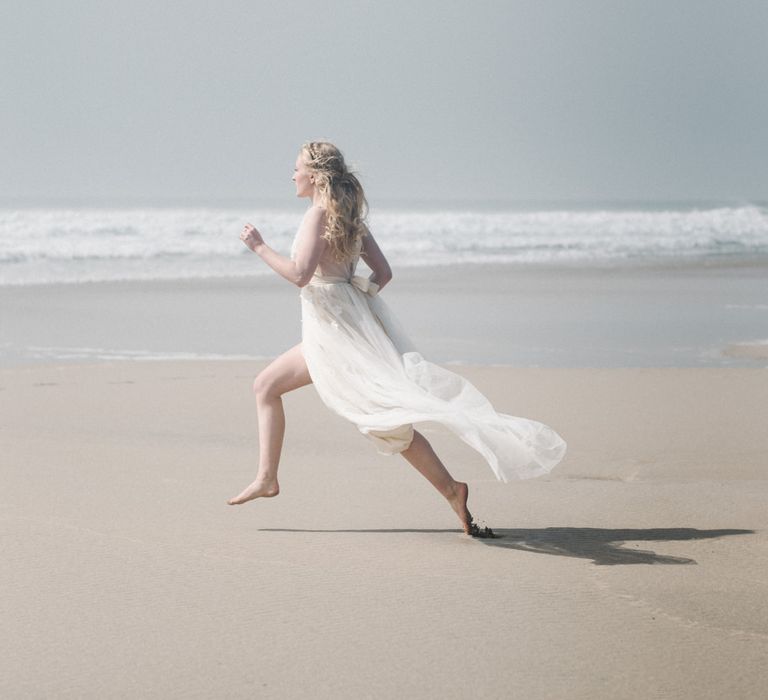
(363, 366)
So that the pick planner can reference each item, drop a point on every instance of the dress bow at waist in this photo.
(362, 283)
(365, 285)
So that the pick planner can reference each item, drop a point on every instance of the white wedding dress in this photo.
(365, 369)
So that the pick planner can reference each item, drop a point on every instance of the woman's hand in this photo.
(251, 237)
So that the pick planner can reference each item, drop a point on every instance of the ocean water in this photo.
(40, 246)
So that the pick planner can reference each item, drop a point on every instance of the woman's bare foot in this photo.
(458, 502)
(261, 488)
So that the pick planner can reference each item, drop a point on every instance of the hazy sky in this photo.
(535, 100)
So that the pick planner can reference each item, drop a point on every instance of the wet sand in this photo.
(631, 316)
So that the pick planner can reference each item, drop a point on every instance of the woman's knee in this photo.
(263, 385)
(286, 373)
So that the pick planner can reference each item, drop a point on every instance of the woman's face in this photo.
(302, 176)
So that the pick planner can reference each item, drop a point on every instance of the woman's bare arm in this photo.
(309, 248)
(374, 258)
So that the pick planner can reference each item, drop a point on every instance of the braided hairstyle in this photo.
(343, 197)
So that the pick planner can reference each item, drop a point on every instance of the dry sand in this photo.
(125, 574)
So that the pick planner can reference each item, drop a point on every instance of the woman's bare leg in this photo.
(421, 455)
(283, 374)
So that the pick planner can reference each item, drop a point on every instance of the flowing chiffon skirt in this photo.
(366, 370)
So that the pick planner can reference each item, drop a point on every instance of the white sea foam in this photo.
(46, 245)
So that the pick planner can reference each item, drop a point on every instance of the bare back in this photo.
(327, 265)
(330, 267)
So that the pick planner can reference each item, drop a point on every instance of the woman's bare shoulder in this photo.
(315, 210)
(314, 216)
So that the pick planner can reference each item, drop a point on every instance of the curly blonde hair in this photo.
(343, 196)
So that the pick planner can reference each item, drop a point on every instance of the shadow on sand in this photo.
(602, 546)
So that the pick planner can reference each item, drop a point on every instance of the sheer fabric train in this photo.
(366, 369)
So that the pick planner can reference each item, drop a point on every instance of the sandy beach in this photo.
(635, 570)
(572, 199)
